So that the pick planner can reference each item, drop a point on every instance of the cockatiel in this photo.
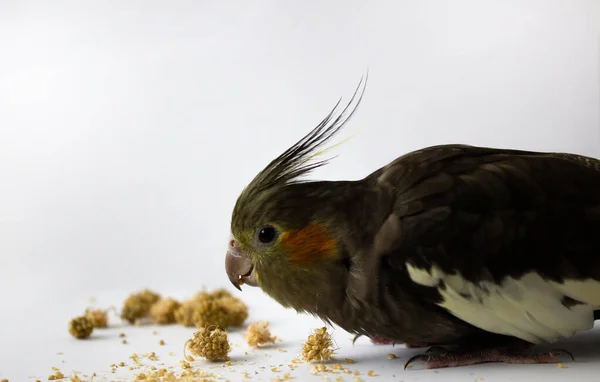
(492, 250)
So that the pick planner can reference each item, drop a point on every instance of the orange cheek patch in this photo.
(307, 244)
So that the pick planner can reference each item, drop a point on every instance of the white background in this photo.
(128, 128)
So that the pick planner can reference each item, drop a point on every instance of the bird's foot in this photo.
(381, 341)
(387, 341)
(438, 357)
(356, 337)
(415, 345)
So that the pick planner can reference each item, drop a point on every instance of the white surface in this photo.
(127, 129)
(38, 352)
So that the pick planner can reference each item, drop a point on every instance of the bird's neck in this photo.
(314, 291)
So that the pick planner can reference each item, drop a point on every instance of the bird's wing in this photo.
(510, 239)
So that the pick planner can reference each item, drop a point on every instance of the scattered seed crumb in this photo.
(274, 370)
(135, 358)
(121, 335)
(371, 373)
(171, 354)
(392, 356)
(349, 360)
(210, 343)
(258, 334)
(121, 364)
(282, 350)
(161, 342)
(164, 375)
(57, 375)
(560, 365)
(123, 341)
(184, 364)
(151, 356)
(138, 305)
(318, 346)
(80, 327)
(314, 370)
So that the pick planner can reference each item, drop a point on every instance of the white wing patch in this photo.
(529, 308)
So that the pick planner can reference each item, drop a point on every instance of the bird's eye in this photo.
(266, 234)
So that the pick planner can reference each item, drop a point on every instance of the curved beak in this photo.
(240, 269)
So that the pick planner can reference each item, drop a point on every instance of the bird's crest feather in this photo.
(295, 162)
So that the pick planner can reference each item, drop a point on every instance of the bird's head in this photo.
(283, 234)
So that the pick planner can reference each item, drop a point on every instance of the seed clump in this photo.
(220, 293)
(218, 308)
(98, 317)
(211, 312)
(183, 315)
(236, 309)
(138, 305)
(318, 346)
(80, 327)
(259, 334)
(163, 311)
(210, 343)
